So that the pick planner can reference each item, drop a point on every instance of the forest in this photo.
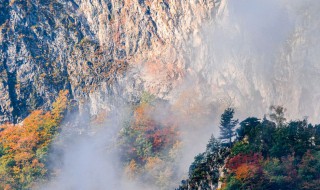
(268, 153)
(24, 147)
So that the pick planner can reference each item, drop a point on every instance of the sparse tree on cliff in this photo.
(227, 126)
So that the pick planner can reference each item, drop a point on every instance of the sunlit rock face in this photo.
(200, 55)
(88, 46)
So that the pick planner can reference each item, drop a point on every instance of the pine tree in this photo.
(213, 145)
(227, 126)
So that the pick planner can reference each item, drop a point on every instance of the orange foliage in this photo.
(245, 171)
(148, 144)
(22, 142)
(160, 134)
(140, 115)
(145, 137)
(240, 159)
(60, 105)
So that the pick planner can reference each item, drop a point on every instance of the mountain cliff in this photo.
(146, 80)
(225, 52)
(87, 47)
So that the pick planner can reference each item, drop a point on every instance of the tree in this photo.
(266, 155)
(204, 171)
(317, 135)
(268, 131)
(309, 170)
(227, 126)
(24, 147)
(213, 145)
(249, 128)
(277, 115)
(148, 146)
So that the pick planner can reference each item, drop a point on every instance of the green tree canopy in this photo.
(227, 126)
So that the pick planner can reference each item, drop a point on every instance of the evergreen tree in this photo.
(268, 154)
(249, 127)
(213, 145)
(227, 126)
(204, 170)
(316, 137)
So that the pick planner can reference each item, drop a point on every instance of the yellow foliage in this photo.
(60, 104)
(19, 165)
(152, 163)
(175, 150)
(131, 169)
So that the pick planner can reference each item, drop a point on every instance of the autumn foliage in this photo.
(235, 162)
(245, 171)
(145, 137)
(24, 146)
(265, 155)
(148, 146)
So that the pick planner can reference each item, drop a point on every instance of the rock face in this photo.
(261, 54)
(87, 47)
(249, 56)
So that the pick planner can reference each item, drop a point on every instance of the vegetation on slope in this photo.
(148, 146)
(266, 154)
(24, 147)
(256, 154)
